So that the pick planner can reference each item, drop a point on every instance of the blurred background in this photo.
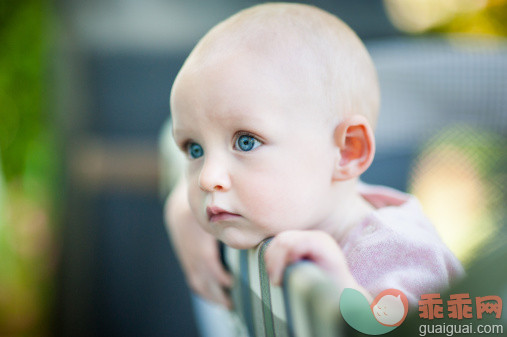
(84, 90)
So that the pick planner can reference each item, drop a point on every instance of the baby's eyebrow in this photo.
(174, 132)
(179, 135)
(177, 132)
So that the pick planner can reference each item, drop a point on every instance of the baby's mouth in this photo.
(216, 214)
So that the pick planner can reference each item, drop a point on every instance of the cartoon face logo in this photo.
(390, 307)
(386, 313)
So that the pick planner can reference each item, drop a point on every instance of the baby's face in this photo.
(260, 153)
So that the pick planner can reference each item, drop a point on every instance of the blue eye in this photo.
(195, 150)
(246, 143)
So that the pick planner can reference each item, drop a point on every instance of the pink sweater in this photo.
(396, 246)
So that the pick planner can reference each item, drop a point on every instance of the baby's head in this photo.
(274, 109)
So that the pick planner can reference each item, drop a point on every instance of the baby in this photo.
(274, 110)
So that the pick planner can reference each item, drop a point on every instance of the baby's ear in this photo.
(355, 143)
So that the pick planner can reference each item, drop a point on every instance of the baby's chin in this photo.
(238, 239)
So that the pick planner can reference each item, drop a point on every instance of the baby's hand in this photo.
(197, 251)
(317, 246)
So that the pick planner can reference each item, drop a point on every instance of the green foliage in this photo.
(23, 116)
(491, 20)
(27, 170)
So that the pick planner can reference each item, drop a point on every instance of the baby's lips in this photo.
(217, 213)
(214, 210)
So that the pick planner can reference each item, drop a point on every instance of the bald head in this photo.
(305, 46)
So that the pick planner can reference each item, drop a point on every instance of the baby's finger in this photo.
(287, 249)
(275, 267)
(220, 295)
(276, 259)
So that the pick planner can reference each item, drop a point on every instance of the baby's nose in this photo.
(214, 176)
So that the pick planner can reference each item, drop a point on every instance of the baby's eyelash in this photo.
(247, 133)
(246, 142)
(183, 146)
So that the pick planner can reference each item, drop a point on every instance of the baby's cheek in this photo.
(276, 216)
(196, 203)
(273, 201)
